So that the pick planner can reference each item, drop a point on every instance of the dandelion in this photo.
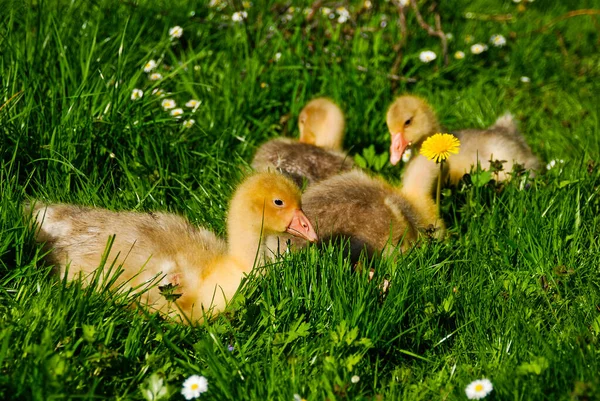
(149, 66)
(479, 389)
(498, 40)
(168, 104)
(188, 123)
(263, 85)
(459, 55)
(177, 113)
(406, 155)
(478, 48)
(239, 16)
(355, 379)
(525, 79)
(155, 76)
(194, 386)
(438, 148)
(176, 32)
(427, 56)
(137, 94)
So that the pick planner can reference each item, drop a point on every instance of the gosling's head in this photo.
(271, 202)
(410, 120)
(321, 123)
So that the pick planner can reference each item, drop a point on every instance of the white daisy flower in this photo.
(355, 379)
(406, 155)
(479, 389)
(343, 13)
(404, 3)
(189, 123)
(553, 164)
(325, 10)
(137, 94)
(459, 55)
(516, 1)
(449, 36)
(498, 40)
(192, 104)
(176, 32)
(525, 79)
(368, 4)
(149, 66)
(478, 48)
(194, 386)
(239, 16)
(427, 56)
(168, 104)
(155, 76)
(177, 113)
(298, 398)
(469, 39)
(277, 56)
(215, 3)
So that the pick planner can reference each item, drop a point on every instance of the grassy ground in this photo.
(512, 295)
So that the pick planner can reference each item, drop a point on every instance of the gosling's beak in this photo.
(301, 227)
(397, 148)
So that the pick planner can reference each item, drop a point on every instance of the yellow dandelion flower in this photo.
(439, 146)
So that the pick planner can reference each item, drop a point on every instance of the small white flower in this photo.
(344, 14)
(404, 3)
(168, 104)
(553, 164)
(277, 56)
(177, 113)
(297, 397)
(449, 36)
(478, 48)
(155, 76)
(137, 94)
(469, 39)
(355, 379)
(479, 389)
(326, 10)
(189, 123)
(516, 1)
(214, 3)
(498, 40)
(459, 55)
(406, 155)
(368, 4)
(427, 56)
(192, 104)
(239, 16)
(194, 386)
(149, 66)
(383, 23)
(176, 32)
(525, 79)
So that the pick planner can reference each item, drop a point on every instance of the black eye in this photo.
(407, 122)
(278, 202)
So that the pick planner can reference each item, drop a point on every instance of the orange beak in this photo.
(397, 148)
(301, 227)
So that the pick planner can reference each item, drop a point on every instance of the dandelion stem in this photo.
(439, 189)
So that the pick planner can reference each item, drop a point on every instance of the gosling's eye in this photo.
(278, 202)
(407, 122)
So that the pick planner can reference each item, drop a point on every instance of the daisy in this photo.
(239, 16)
(194, 386)
(137, 94)
(498, 40)
(188, 123)
(469, 39)
(355, 379)
(404, 3)
(478, 48)
(459, 55)
(406, 155)
(479, 389)
(156, 76)
(368, 4)
(158, 92)
(344, 15)
(168, 104)
(176, 32)
(427, 56)
(326, 10)
(298, 398)
(525, 79)
(149, 66)
(277, 56)
(177, 113)
(192, 104)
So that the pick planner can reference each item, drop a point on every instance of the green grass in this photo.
(513, 294)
